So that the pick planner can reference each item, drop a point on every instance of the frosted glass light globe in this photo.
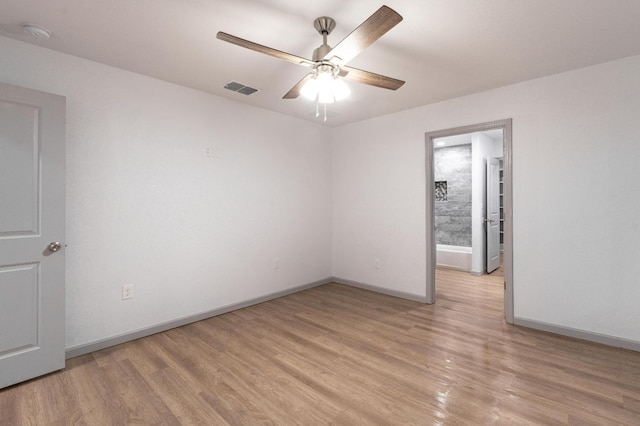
(340, 89)
(310, 89)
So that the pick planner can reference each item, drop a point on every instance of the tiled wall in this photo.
(453, 216)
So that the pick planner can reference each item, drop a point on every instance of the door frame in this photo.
(506, 126)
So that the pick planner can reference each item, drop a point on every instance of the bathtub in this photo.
(453, 257)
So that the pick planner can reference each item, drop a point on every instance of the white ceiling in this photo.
(442, 49)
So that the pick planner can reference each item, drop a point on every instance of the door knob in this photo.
(54, 246)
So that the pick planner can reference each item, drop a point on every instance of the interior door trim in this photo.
(506, 126)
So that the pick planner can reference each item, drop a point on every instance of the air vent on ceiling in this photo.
(234, 86)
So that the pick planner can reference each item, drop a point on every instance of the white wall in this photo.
(378, 206)
(576, 195)
(195, 233)
(144, 206)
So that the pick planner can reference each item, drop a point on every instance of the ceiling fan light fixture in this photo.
(324, 81)
(325, 87)
(340, 89)
(325, 84)
(325, 97)
(310, 89)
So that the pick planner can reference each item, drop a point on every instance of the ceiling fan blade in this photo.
(295, 90)
(369, 31)
(370, 78)
(264, 49)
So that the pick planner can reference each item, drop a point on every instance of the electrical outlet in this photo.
(276, 263)
(127, 291)
(377, 263)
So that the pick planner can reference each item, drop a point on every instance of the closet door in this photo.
(32, 197)
(493, 214)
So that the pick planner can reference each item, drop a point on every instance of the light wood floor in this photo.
(340, 355)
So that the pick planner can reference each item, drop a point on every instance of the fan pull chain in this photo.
(324, 106)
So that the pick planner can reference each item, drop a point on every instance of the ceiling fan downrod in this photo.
(324, 25)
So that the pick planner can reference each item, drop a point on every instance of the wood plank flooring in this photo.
(340, 355)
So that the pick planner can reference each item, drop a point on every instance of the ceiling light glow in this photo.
(325, 87)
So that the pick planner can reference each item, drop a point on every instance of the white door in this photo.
(32, 185)
(493, 214)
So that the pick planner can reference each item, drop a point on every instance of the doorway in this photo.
(436, 191)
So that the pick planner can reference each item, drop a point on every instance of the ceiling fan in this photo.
(329, 65)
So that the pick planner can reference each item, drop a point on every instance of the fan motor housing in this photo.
(318, 54)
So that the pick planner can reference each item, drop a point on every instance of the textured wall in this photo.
(453, 216)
